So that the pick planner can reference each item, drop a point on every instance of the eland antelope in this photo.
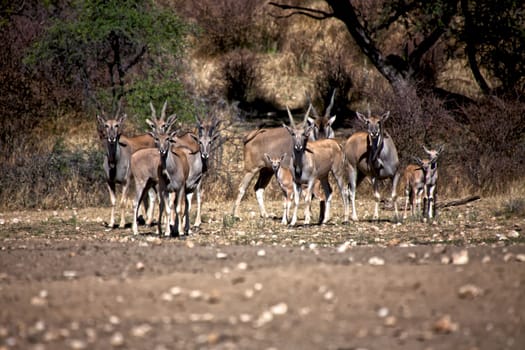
(172, 176)
(117, 159)
(371, 153)
(145, 165)
(198, 149)
(275, 141)
(311, 161)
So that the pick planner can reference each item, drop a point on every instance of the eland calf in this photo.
(284, 178)
(372, 153)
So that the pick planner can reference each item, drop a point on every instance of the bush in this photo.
(56, 179)
(239, 73)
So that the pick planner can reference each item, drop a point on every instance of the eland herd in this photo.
(167, 166)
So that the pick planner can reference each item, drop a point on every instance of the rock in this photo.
(117, 340)
(279, 309)
(520, 257)
(376, 261)
(390, 321)
(221, 255)
(383, 312)
(445, 325)
(141, 331)
(469, 291)
(460, 258)
(77, 344)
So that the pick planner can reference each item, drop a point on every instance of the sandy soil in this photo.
(69, 282)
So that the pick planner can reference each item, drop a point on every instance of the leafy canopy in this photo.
(115, 49)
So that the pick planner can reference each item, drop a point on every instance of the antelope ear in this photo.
(267, 156)
(290, 130)
(122, 118)
(150, 123)
(385, 116)
(361, 117)
(311, 121)
(100, 119)
(308, 130)
(283, 156)
(331, 120)
(194, 137)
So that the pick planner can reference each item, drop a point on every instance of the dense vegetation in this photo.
(450, 71)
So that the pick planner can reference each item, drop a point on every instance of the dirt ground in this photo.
(69, 282)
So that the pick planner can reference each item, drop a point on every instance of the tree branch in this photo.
(136, 59)
(470, 49)
(304, 11)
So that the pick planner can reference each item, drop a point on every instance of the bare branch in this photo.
(300, 10)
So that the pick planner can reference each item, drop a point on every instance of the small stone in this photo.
(70, 274)
(249, 293)
(520, 257)
(513, 234)
(175, 291)
(445, 260)
(117, 340)
(77, 344)
(328, 295)
(167, 297)
(38, 301)
(469, 291)
(261, 252)
(445, 325)
(279, 309)
(383, 312)
(376, 261)
(343, 247)
(139, 266)
(114, 320)
(242, 266)
(245, 318)
(460, 258)
(196, 294)
(4, 332)
(263, 319)
(141, 331)
(486, 259)
(221, 255)
(390, 321)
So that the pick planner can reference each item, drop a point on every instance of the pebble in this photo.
(376, 261)
(445, 325)
(460, 258)
(469, 291)
(279, 309)
(141, 331)
(221, 255)
(117, 340)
